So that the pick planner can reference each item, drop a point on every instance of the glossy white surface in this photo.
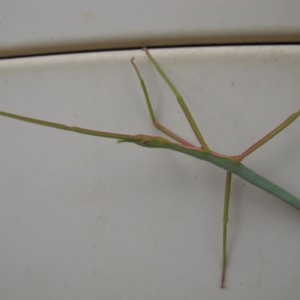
(85, 218)
(42, 26)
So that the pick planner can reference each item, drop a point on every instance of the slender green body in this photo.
(236, 168)
(250, 176)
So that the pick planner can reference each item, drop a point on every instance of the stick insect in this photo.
(232, 164)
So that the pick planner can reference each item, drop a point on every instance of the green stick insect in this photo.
(232, 164)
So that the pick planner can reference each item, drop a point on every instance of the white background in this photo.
(43, 26)
(86, 218)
